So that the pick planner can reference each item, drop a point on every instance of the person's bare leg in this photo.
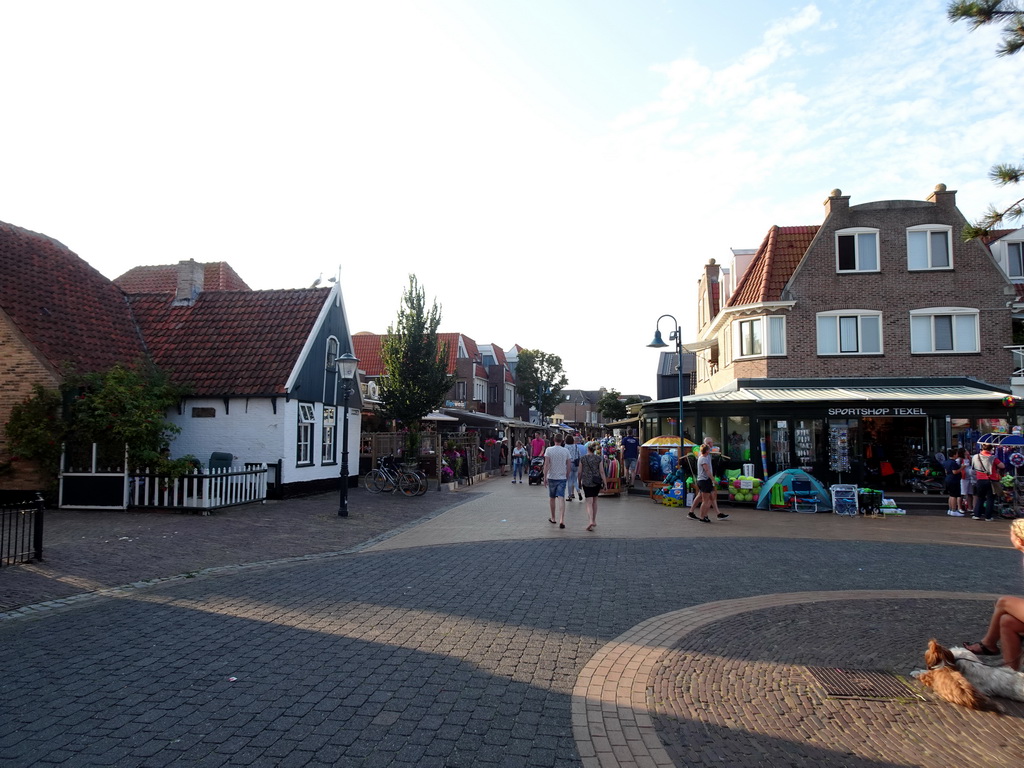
(551, 503)
(1011, 610)
(561, 508)
(1010, 629)
(705, 505)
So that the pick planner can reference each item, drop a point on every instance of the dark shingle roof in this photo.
(230, 342)
(66, 309)
(217, 276)
(773, 265)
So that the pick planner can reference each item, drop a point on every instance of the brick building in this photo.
(854, 345)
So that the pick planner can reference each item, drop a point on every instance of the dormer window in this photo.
(760, 337)
(1015, 259)
(928, 247)
(857, 250)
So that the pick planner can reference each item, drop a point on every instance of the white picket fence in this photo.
(202, 489)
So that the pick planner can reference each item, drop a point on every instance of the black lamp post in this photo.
(347, 365)
(676, 336)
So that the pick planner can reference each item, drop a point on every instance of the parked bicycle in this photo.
(389, 477)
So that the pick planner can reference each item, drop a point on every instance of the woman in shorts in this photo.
(591, 479)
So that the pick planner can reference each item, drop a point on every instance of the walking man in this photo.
(630, 452)
(556, 474)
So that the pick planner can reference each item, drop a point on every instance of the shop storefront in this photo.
(876, 434)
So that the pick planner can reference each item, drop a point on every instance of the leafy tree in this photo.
(415, 363)
(1011, 16)
(119, 407)
(35, 430)
(610, 406)
(541, 379)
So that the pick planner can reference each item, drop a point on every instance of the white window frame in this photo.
(764, 324)
(304, 434)
(917, 316)
(1018, 246)
(836, 316)
(928, 230)
(331, 354)
(329, 435)
(856, 232)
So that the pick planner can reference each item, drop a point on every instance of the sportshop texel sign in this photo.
(876, 412)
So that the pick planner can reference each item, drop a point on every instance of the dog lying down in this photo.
(961, 677)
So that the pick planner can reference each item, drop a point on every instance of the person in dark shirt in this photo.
(952, 485)
(630, 453)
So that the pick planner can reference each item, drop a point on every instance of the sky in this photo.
(555, 172)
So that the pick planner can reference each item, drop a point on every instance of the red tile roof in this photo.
(217, 276)
(452, 340)
(66, 309)
(996, 234)
(366, 347)
(230, 343)
(773, 265)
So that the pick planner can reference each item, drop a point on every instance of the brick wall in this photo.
(20, 368)
(975, 281)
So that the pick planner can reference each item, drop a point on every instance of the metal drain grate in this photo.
(862, 684)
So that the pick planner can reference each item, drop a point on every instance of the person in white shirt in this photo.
(556, 475)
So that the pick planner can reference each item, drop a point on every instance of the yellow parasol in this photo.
(665, 441)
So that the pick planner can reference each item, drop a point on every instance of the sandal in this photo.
(983, 650)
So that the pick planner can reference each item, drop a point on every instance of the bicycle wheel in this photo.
(424, 484)
(409, 483)
(374, 481)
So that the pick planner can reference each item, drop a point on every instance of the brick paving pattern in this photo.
(408, 652)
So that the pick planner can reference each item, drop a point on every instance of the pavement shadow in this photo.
(323, 682)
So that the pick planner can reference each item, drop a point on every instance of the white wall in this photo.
(252, 432)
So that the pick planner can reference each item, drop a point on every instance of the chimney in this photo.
(190, 283)
(836, 202)
(945, 199)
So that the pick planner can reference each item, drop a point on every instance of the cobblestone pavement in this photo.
(88, 551)
(416, 653)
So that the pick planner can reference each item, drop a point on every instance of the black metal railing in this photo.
(21, 532)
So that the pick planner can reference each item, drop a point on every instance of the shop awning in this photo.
(475, 419)
(915, 394)
(435, 416)
(631, 421)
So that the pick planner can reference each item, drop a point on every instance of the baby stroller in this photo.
(536, 473)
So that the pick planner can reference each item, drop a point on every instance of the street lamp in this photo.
(347, 366)
(676, 336)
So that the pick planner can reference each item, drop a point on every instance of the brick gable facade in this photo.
(795, 275)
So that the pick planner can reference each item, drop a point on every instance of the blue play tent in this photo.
(784, 480)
